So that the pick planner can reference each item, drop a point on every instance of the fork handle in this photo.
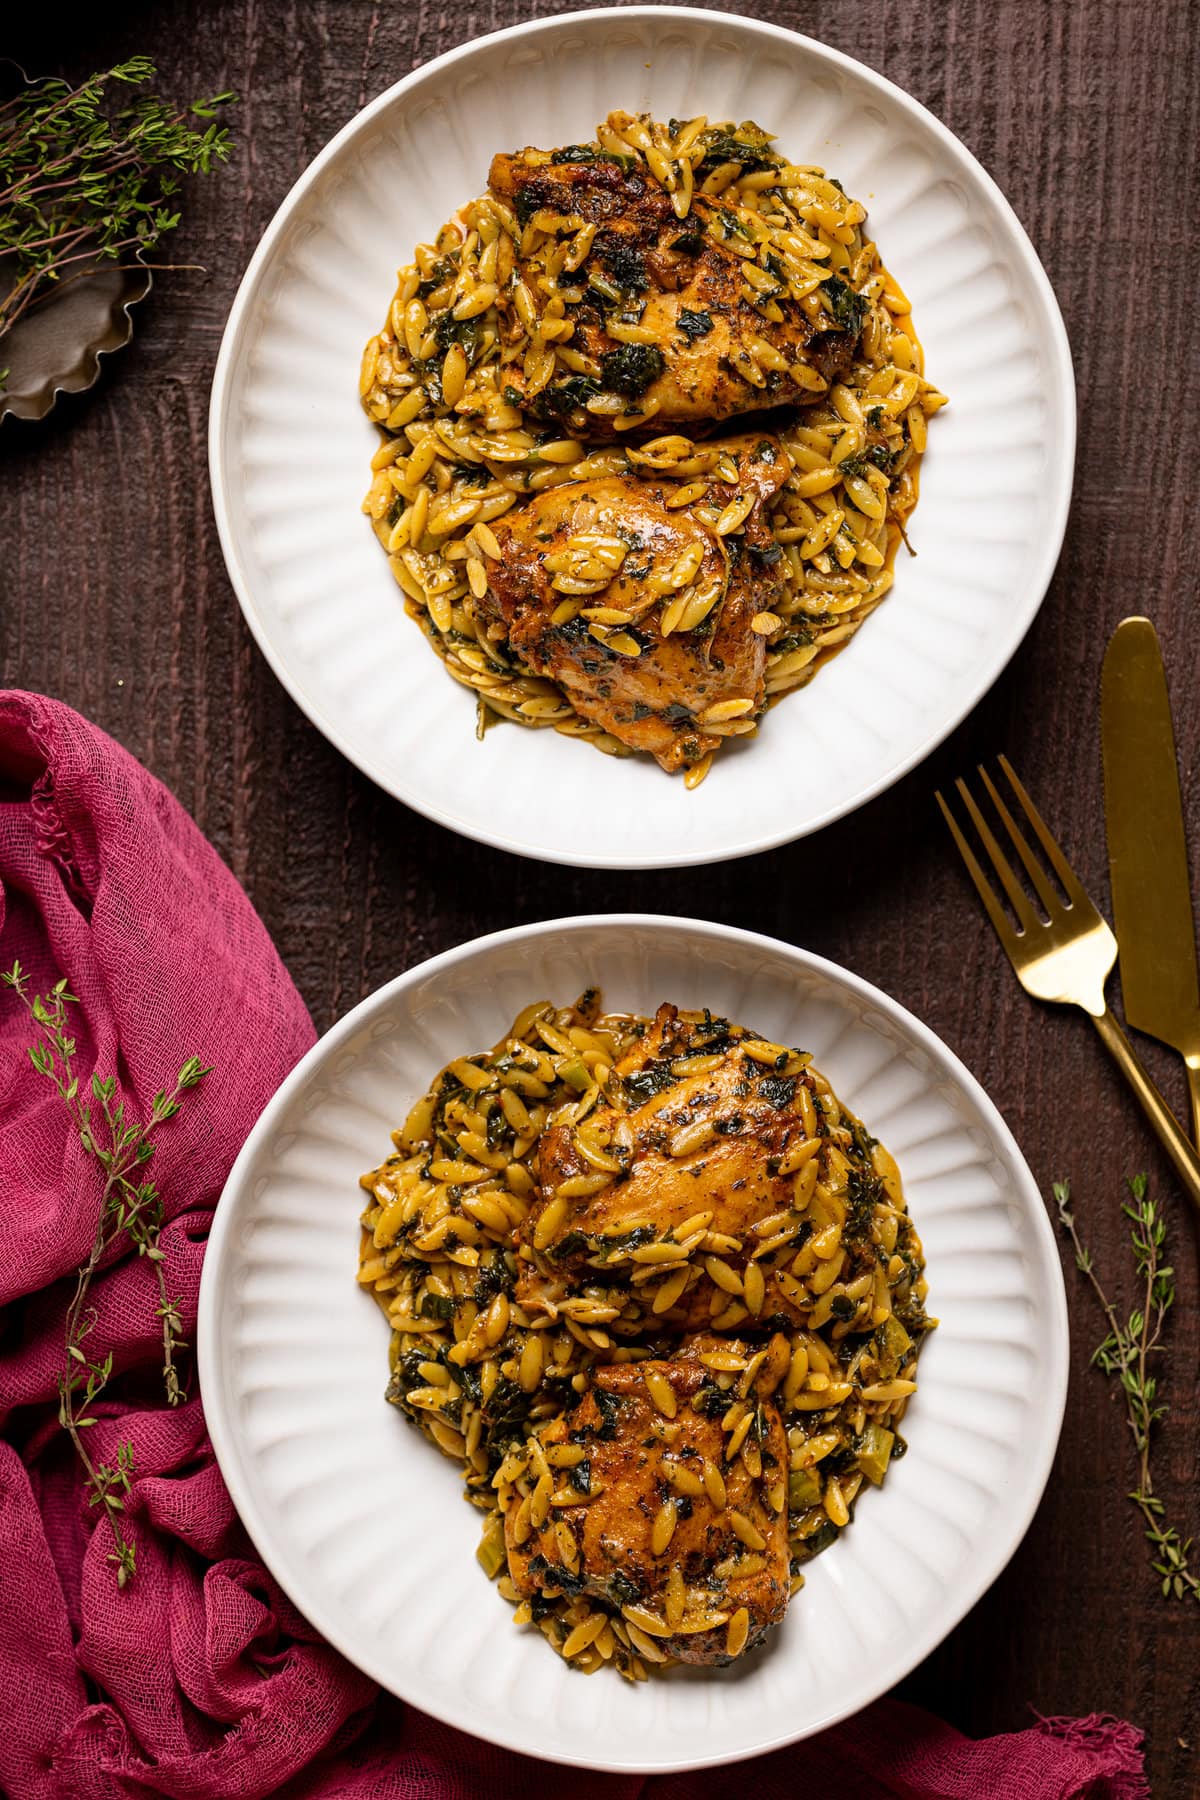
(1194, 1094)
(1167, 1128)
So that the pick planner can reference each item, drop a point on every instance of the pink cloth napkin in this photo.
(201, 1680)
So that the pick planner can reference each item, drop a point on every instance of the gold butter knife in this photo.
(1147, 849)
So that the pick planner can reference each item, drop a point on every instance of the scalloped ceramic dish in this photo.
(289, 445)
(360, 1518)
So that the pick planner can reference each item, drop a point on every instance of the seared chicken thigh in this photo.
(705, 1137)
(653, 1517)
(667, 314)
(641, 611)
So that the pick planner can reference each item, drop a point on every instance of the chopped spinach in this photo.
(798, 638)
(654, 1078)
(627, 1240)
(847, 308)
(723, 146)
(470, 1381)
(591, 153)
(492, 1276)
(440, 272)
(630, 368)
(863, 1141)
(448, 330)
(778, 1090)
(622, 260)
(437, 1306)
(713, 1402)
(610, 1412)
(821, 1539)
(875, 455)
(623, 1589)
(863, 1192)
(528, 201)
(555, 1575)
(694, 324)
(575, 1243)
(507, 1411)
(561, 398)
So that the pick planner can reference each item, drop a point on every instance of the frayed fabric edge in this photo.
(1103, 1735)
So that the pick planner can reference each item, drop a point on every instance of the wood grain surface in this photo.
(115, 599)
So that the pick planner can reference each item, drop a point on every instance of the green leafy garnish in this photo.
(750, 150)
(630, 368)
(694, 324)
(561, 398)
(89, 172)
(847, 309)
(1127, 1355)
(130, 1208)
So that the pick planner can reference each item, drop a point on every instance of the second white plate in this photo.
(362, 1521)
(290, 447)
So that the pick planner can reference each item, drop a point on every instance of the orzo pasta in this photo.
(657, 1293)
(653, 410)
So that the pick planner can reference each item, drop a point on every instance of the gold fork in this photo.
(1067, 956)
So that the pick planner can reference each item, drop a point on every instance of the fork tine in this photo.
(1072, 886)
(1033, 868)
(1012, 887)
(983, 886)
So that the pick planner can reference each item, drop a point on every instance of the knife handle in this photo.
(1167, 1128)
(1194, 1092)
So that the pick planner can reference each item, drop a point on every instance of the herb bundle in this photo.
(130, 1207)
(88, 172)
(1127, 1354)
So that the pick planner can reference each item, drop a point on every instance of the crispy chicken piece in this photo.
(682, 280)
(650, 1469)
(718, 1150)
(650, 691)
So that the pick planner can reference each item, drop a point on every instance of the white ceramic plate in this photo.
(290, 446)
(362, 1521)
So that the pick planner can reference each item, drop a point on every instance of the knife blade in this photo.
(1147, 848)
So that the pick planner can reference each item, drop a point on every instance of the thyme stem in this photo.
(1127, 1354)
(80, 167)
(130, 1208)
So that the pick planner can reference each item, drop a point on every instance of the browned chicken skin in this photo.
(680, 279)
(638, 1460)
(656, 700)
(744, 1121)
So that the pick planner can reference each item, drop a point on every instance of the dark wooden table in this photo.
(115, 598)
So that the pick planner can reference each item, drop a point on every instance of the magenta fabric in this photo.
(201, 1681)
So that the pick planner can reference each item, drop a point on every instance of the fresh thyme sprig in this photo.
(84, 174)
(130, 1206)
(1127, 1353)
